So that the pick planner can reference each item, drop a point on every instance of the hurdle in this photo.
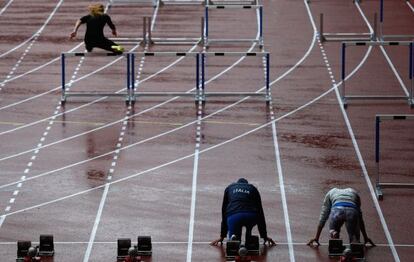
(134, 91)
(203, 93)
(380, 185)
(181, 2)
(206, 38)
(338, 37)
(65, 94)
(148, 39)
(152, 3)
(408, 96)
(381, 26)
(231, 2)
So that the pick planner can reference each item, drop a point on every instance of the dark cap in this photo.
(242, 180)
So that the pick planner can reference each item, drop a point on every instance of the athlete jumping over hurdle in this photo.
(342, 206)
(94, 36)
(242, 207)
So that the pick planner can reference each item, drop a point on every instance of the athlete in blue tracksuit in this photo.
(242, 207)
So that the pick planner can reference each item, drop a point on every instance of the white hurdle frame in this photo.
(207, 41)
(153, 3)
(134, 90)
(338, 37)
(148, 39)
(409, 98)
(203, 94)
(200, 93)
(380, 185)
(381, 25)
(65, 94)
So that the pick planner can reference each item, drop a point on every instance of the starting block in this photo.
(232, 249)
(123, 246)
(236, 251)
(23, 249)
(144, 246)
(127, 251)
(357, 250)
(46, 246)
(253, 246)
(336, 247)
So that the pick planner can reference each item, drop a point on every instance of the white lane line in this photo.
(176, 129)
(410, 5)
(394, 71)
(110, 173)
(205, 150)
(366, 176)
(96, 224)
(282, 185)
(194, 186)
(5, 7)
(35, 35)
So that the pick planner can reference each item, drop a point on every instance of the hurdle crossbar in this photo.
(408, 97)
(381, 26)
(206, 38)
(203, 93)
(65, 94)
(127, 41)
(134, 92)
(381, 185)
(231, 2)
(111, 3)
(181, 2)
(148, 39)
(338, 37)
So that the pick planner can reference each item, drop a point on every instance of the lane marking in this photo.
(5, 7)
(282, 185)
(96, 224)
(37, 34)
(366, 176)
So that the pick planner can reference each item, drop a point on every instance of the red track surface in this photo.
(162, 177)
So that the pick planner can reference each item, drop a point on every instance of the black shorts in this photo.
(105, 44)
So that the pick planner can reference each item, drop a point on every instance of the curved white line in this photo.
(35, 34)
(5, 7)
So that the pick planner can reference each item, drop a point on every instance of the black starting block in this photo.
(46, 246)
(253, 245)
(336, 247)
(144, 246)
(123, 246)
(23, 248)
(232, 249)
(357, 250)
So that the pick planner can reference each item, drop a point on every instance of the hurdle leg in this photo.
(144, 30)
(132, 74)
(63, 72)
(411, 73)
(202, 31)
(321, 28)
(378, 190)
(197, 96)
(374, 35)
(261, 27)
(149, 31)
(206, 27)
(203, 97)
(128, 97)
(343, 95)
(268, 97)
